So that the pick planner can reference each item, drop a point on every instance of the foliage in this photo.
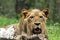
(54, 32)
(13, 7)
(6, 21)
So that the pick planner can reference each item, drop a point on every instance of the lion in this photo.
(35, 22)
(32, 23)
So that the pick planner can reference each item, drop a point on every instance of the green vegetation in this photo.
(53, 29)
(54, 32)
(7, 21)
(12, 8)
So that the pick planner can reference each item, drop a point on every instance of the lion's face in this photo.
(36, 19)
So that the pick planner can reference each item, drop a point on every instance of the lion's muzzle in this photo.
(36, 30)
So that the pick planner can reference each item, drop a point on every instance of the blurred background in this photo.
(10, 13)
(11, 8)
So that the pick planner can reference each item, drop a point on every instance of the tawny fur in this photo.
(28, 22)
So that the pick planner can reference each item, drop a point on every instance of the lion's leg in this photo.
(28, 37)
(43, 37)
(46, 37)
(17, 37)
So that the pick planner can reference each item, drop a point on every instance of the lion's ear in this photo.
(24, 12)
(46, 12)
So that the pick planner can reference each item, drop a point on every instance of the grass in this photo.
(7, 21)
(54, 32)
(53, 29)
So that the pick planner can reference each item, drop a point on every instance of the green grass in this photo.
(53, 29)
(7, 21)
(54, 32)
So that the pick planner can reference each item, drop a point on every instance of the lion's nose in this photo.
(37, 24)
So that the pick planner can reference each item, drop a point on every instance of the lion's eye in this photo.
(32, 17)
(41, 16)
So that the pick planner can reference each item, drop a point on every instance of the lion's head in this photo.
(35, 20)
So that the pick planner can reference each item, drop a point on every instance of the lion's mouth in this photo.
(37, 30)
